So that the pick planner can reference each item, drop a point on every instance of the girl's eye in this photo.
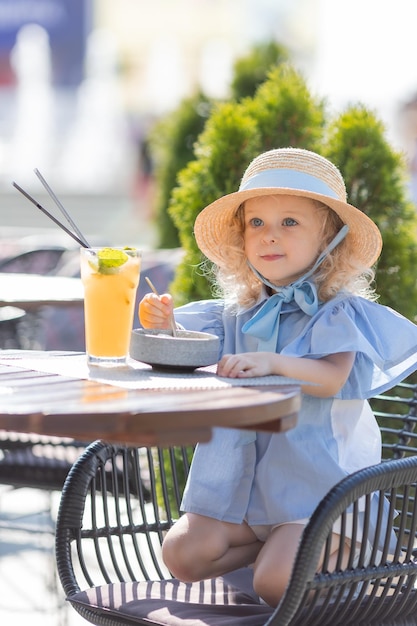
(289, 221)
(255, 222)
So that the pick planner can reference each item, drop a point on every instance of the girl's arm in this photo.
(327, 374)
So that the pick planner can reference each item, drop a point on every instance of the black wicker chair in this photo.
(108, 542)
(38, 462)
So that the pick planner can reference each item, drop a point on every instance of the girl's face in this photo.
(282, 236)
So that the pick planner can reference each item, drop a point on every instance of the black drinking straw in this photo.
(39, 206)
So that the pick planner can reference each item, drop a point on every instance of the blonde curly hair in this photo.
(234, 280)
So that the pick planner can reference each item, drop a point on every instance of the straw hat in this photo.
(295, 172)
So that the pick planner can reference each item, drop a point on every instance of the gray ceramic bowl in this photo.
(188, 350)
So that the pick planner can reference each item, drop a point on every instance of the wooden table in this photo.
(56, 394)
(32, 291)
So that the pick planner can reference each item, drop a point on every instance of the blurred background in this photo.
(82, 82)
(85, 84)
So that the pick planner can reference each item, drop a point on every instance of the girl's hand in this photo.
(322, 377)
(245, 365)
(155, 311)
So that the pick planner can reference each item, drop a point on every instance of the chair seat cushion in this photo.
(223, 601)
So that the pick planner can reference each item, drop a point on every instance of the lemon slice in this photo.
(109, 260)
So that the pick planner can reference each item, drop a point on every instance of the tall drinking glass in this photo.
(110, 278)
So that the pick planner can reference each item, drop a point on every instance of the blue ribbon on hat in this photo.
(290, 179)
(264, 325)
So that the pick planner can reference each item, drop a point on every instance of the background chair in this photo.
(28, 331)
(108, 542)
(41, 463)
(42, 260)
(12, 321)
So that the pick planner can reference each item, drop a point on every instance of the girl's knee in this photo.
(178, 557)
(270, 585)
(184, 550)
(198, 547)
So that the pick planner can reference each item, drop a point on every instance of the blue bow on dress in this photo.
(264, 325)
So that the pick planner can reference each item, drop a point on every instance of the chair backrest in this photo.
(396, 412)
(137, 490)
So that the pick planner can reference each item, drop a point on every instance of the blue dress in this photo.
(268, 478)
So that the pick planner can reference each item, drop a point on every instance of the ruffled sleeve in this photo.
(385, 343)
(203, 316)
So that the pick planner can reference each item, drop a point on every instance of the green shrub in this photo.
(375, 177)
(172, 146)
(251, 70)
(170, 483)
(284, 113)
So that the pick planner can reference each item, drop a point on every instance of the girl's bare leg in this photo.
(273, 566)
(199, 547)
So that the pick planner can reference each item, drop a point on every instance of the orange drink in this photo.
(110, 278)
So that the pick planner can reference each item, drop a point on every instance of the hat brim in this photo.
(211, 223)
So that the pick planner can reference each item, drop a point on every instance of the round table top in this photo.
(55, 394)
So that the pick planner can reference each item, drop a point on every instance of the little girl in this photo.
(293, 261)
